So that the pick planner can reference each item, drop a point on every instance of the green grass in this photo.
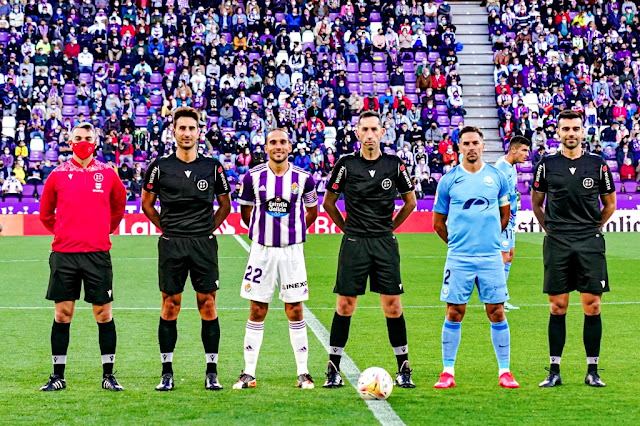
(25, 354)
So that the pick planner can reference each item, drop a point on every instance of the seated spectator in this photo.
(12, 187)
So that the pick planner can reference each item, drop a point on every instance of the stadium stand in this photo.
(582, 55)
(246, 66)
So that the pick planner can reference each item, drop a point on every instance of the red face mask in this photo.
(83, 149)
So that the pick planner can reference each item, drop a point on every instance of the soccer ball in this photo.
(375, 383)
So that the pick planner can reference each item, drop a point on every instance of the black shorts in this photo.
(179, 257)
(575, 263)
(376, 258)
(70, 270)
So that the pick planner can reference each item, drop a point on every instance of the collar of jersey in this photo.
(467, 171)
(79, 166)
(274, 173)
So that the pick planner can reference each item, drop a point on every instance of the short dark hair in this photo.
(470, 129)
(185, 112)
(278, 129)
(518, 140)
(569, 114)
(370, 113)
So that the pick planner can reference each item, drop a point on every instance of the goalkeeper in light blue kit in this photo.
(471, 210)
(519, 148)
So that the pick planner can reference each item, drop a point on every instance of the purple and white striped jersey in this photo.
(278, 215)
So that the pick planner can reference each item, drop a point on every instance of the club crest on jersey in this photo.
(587, 183)
(295, 188)
(202, 185)
(386, 184)
(247, 288)
(488, 180)
(278, 207)
(98, 177)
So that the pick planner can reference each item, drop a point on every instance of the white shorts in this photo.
(271, 267)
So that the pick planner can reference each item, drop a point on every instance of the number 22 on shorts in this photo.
(257, 273)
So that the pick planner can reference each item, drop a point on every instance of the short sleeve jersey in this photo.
(509, 171)
(573, 188)
(278, 217)
(370, 189)
(472, 204)
(186, 192)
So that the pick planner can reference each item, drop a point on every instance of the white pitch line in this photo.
(382, 410)
(317, 308)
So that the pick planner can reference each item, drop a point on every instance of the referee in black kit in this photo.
(574, 249)
(370, 181)
(186, 184)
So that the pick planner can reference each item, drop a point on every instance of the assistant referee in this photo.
(574, 249)
(187, 184)
(369, 180)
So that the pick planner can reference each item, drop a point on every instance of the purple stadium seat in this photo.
(354, 120)
(113, 88)
(366, 77)
(308, 45)
(169, 66)
(256, 97)
(69, 100)
(429, 25)
(333, 16)
(433, 56)
(382, 87)
(156, 100)
(69, 110)
(367, 88)
(84, 109)
(354, 87)
(410, 88)
(413, 98)
(443, 122)
(613, 165)
(70, 89)
(85, 77)
(510, 35)
(36, 156)
(254, 55)
(382, 77)
(228, 36)
(352, 67)
(441, 110)
(630, 186)
(142, 111)
(525, 177)
(410, 77)
(440, 98)
(616, 176)
(141, 121)
(4, 36)
(366, 67)
(420, 55)
(375, 16)
(156, 77)
(379, 67)
(408, 67)
(526, 167)
(436, 176)
(353, 77)
(154, 86)
(522, 187)
(52, 155)
(279, 17)
(457, 119)
(407, 56)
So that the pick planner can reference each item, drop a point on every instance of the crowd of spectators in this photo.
(578, 54)
(311, 66)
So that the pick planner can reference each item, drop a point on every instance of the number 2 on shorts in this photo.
(257, 273)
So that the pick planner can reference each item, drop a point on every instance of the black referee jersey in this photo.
(186, 192)
(573, 188)
(370, 189)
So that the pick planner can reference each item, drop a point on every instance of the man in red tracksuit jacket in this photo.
(82, 203)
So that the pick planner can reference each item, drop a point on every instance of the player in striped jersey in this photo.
(278, 203)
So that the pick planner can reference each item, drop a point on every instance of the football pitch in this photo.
(25, 360)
